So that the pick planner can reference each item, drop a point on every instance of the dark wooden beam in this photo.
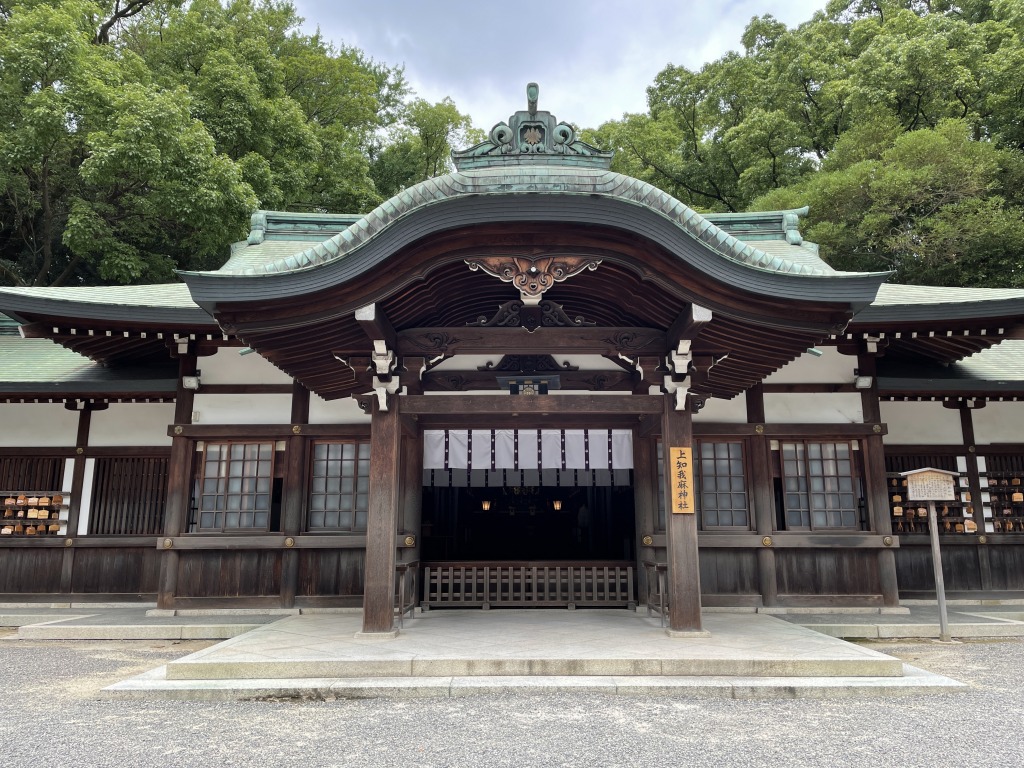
(376, 324)
(456, 381)
(631, 342)
(689, 324)
(683, 560)
(245, 389)
(382, 520)
(525, 405)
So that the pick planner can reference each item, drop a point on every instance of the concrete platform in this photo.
(460, 653)
(121, 622)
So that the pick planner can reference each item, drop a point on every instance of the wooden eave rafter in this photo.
(125, 343)
(638, 287)
(97, 395)
(631, 267)
(946, 342)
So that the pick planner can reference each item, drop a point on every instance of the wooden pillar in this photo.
(683, 560)
(763, 496)
(382, 520)
(77, 488)
(876, 489)
(179, 483)
(974, 483)
(293, 493)
(645, 502)
(412, 493)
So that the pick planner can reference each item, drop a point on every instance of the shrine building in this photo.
(533, 381)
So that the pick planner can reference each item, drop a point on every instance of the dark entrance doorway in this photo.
(528, 546)
(529, 523)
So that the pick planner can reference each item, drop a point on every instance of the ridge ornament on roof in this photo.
(535, 137)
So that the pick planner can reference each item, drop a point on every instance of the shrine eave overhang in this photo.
(214, 290)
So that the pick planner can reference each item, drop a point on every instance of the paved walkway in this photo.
(449, 653)
(458, 653)
(141, 621)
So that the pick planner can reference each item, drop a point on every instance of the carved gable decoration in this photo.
(532, 136)
(533, 276)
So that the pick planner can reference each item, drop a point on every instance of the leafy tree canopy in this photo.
(136, 136)
(899, 122)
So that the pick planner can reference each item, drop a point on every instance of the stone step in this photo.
(911, 682)
(545, 667)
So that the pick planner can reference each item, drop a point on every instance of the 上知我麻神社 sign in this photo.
(681, 501)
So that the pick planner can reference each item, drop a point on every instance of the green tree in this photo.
(138, 135)
(104, 175)
(421, 146)
(900, 122)
(933, 205)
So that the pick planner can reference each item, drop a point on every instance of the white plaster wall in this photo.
(131, 424)
(242, 409)
(813, 408)
(85, 504)
(830, 368)
(37, 425)
(732, 411)
(341, 411)
(921, 423)
(229, 367)
(998, 423)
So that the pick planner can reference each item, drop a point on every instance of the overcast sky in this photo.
(593, 60)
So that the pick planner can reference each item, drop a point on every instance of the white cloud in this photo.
(593, 60)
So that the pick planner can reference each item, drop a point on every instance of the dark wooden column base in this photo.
(767, 582)
(168, 580)
(382, 521)
(645, 502)
(683, 558)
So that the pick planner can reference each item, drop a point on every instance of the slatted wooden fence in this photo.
(31, 473)
(528, 584)
(129, 494)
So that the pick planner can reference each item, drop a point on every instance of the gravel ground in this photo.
(50, 716)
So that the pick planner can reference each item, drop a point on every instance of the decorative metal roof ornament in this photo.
(532, 137)
(533, 276)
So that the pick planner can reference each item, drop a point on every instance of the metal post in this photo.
(940, 587)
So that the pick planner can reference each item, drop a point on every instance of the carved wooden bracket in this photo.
(515, 314)
(528, 364)
(533, 276)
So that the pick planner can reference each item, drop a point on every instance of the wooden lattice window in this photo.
(723, 485)
(339, 493)
(129, 495)
(235, 488)
(31, 473)
(820, 485)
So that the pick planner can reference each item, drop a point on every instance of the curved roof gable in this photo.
(514, 181)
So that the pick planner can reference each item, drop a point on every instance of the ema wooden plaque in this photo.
(681, 481)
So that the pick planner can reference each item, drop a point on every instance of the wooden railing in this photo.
(519, 584)
(657, 589)
(407, 589)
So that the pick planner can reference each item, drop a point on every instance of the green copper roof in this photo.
(900, 303)
(997, 369)
(42, 366)
(163, 295)
(517, 180)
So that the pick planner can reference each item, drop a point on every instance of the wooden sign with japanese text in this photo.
(681, 481)
(931, 485)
